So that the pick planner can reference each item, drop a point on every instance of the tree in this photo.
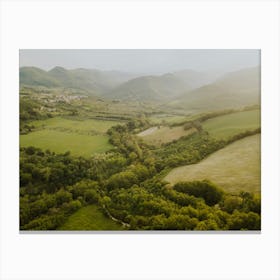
(25, 178)
(244, 221)
(91, 196)
(231, 203)
(106, 200)
(201, 226)
(63, 196)
(205, 189)
(71, 207)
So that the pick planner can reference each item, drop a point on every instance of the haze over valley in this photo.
(188, 89)
(140, 140)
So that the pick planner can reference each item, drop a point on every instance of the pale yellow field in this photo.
(234, 168)
(164, 134)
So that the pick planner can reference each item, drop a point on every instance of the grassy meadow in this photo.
(90, 218)
(234, 168)
(75, 124)
(80, 137)
(164, 134)
(231, 124)
(163, 118)
(61, 142)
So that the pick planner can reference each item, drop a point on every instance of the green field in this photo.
(157, 119)
(80, 137)
(231, 124)
(90, 218)
(60, 142)
(74, 124)
(164, 134)
(234, 168)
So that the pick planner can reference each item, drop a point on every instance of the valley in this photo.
(173, 151)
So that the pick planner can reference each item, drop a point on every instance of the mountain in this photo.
(197, 79)
(186, 89)
(244, 79)
(233, 90)
(150, 88)
(33, 76)
(161, 88)
(91, 80)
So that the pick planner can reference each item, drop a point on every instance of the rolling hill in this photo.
(228, 125)
(197, 79)
(91, 80)
(234, 168)
(33, 76)
(233, 90)
(150, 88)
(186, 89)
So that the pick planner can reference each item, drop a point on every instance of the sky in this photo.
(153, 61)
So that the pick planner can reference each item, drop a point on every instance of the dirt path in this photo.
(115, 219)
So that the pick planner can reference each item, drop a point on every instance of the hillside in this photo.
(233, 90)
(197, 79)
(234, 168)
(226, 126)
(150, 88)
(116, 84)
(91, 80)
(33, 76)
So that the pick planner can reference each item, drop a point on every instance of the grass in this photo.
(80, 137)
(86, 125)
(157, 136)
(167, 118)
(90, 218)
(60, 142)
(229, 125)
(234, 168)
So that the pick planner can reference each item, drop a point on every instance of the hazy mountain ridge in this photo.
(157, 88)
(116, 84)
(162, 87)
(91, 80)
(33, 76)
(197, 79)
(187, 89)
(235, 89)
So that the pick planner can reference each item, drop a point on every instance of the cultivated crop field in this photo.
(231, 124)
(164, 134)
(89, 218)
(234, 168)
